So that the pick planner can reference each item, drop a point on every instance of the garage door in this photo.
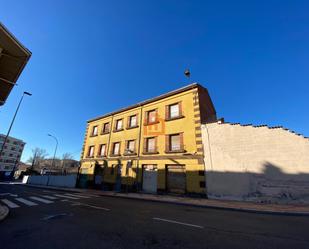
(150, 175)
(176, 179)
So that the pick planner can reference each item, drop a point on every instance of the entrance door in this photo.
(176, 179)
(150, 175)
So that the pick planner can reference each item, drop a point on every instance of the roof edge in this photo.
(27, 51)
(162, 96)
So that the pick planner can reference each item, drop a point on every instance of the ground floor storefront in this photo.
(158, 175)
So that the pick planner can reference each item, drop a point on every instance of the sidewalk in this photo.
(297, 209)
(4, 211)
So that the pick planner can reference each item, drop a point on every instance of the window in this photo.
(173, 111)
(105, 128)
(132, 121)
(150, 145)
(116, 149)
(91, 151)
(152, 116)
(130, 146)
(174, 143)
(102, 151)
(94, 131)
(119, 124)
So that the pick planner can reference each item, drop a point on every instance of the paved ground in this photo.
(56, 219)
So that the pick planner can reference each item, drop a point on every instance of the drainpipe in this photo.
(109, 137)
(139, 146)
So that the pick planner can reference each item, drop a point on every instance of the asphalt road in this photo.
(41, 218)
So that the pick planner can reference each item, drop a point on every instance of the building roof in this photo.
(12, 138)
(179, 90)
(13, 58)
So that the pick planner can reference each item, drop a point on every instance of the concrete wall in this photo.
(256, 163)
(68, 181)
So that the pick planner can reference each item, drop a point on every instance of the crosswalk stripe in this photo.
(9, 203)
(49, 197)
(28, 203)
(65, 196)
(80, 196)
(40, 199)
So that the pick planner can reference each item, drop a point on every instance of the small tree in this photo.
(38, 155)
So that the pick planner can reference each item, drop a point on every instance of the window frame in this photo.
(146, 121)
(92, 131)
(168, 143)
(116, 123)
(100, 150)
(146, 145)
(168, 111)
(113, 149)
(89, 149)
(129, 125)
(127, 147)
(103, 128)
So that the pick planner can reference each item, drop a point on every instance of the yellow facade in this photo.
(128, 170)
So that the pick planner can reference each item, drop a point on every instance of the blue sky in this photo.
(93, 57)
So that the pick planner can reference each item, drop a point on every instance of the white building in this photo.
(11, 155)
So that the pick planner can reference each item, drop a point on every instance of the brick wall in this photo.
(256, 163)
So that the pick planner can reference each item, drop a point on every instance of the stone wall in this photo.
(258, 163)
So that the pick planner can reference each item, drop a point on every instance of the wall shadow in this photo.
(272, 185)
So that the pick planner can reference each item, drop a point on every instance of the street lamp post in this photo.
(53, 163)
(12, 122)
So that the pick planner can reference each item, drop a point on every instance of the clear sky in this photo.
(93, 57)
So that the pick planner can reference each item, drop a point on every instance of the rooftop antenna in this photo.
(188, 74)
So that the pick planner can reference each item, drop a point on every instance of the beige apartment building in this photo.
(153, 146)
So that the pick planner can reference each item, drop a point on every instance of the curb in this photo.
(235, 209)
(4, 212)
(175, 202)
(50, 187)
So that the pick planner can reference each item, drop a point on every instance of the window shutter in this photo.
(181, 141)
(155, 144)
(167, 143)
(128, 121)
(137, 121)
(167, 114)
(156, 116)
(145, 118)
(180, 108)
(145, 145)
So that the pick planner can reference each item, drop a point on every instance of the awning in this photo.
(13, 58)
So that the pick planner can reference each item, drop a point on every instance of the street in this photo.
(49, 219)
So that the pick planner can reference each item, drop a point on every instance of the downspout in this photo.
(109, 137)
(139, 146)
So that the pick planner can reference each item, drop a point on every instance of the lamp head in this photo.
(27, 93)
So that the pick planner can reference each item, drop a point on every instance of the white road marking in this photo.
(49, 197)
(28, 203)
(177, 222)
(87, 205)
(41, 199)
(65, 196)
(78, 196)
(9, 203)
